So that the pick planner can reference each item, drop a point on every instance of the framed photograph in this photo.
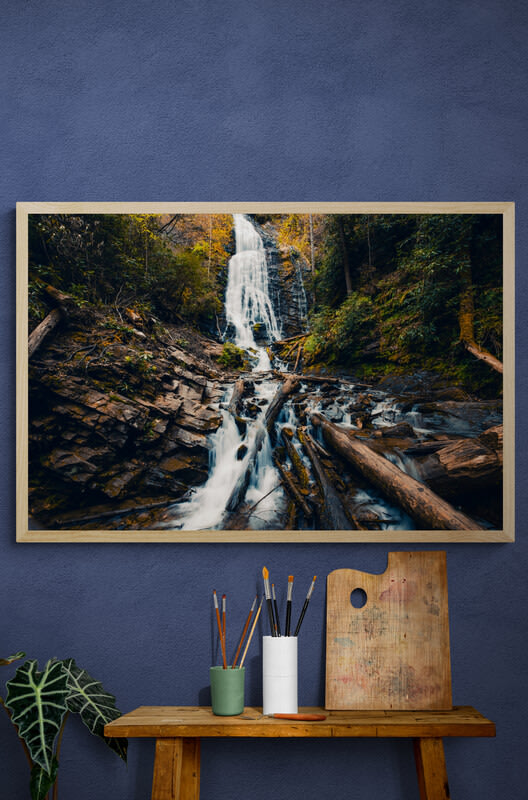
(246, 372)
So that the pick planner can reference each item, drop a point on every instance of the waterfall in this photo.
(248, 304)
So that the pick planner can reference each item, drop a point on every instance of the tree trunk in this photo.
(464, 465)
(344, 250)
(312, 255)
(289, 484)
(333, 515)
(484, 355)
(45, 327)
(423, 505)
(296, 460)
(65, 301)
(239, 491)
(299, 351)
(466, 317)
(65, 304)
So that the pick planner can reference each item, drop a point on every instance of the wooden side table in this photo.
(179, 729)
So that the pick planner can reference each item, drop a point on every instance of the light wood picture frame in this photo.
(31, 432)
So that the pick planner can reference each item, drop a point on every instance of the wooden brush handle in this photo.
(303, 717)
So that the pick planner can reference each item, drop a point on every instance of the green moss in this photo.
(233, 357)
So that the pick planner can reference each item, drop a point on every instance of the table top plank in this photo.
(199, 721)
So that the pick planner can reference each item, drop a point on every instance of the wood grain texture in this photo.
(506, 534)
(393, 653)
(431, 769)
(176, 769)
(199, 721)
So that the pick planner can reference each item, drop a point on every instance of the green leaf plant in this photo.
(38, 705)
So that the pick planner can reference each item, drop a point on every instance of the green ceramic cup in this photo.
(227, 690)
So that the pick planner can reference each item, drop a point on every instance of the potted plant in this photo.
(38, 705)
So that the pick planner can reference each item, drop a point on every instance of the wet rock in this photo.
(334, 413)
(459, 418)
(241, 424)
(288, 273)
(188, 438)
(191, 393)
(190, 362)
(251, 409)
(241, 452)
(77, 465)
(120, 422)
(159, 481)
(186, 469)
(197, 417)
(121, 482)
(402, 430)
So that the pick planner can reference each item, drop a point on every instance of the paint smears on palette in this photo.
(391, 652)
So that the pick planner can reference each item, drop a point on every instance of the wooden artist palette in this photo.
(393, 652)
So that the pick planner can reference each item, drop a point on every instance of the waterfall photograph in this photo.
(285, 374)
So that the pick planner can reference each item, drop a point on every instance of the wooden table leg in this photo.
(176, 769)
(431, 769)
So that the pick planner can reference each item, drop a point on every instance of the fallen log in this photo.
(332, 512)
(421, 503)
(293, 491)
(239, 491)
(64, 304)
(45, 327)
(484, 355)
(280, 342)
(299, 351)
(296, 460)
(291, 517)
(425, 448)
(331, 380)
(64, 301)
(463, 465)
(70, 520)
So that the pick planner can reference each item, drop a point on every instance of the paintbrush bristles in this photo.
(267, 592)
(265, 575)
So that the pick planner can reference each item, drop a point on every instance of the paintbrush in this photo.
(305, 606)
(250, 636)
(224, 600)
(276, 609)
(222, 644)
(267, 592)
(246, 626)
(289, 605)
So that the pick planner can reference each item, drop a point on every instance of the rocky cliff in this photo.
(288, 274)
(119, 418)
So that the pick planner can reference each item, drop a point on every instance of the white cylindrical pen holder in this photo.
(279, 675)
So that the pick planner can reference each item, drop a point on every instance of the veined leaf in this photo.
(96, 706)
(37, 702)
(5, 662)
(42, 781)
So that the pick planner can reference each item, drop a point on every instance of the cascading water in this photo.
(251, 321)
(247, 302)
(247, 305)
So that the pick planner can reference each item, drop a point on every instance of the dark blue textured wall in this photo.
(247, 100)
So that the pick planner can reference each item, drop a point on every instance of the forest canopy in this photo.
(386, 292)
